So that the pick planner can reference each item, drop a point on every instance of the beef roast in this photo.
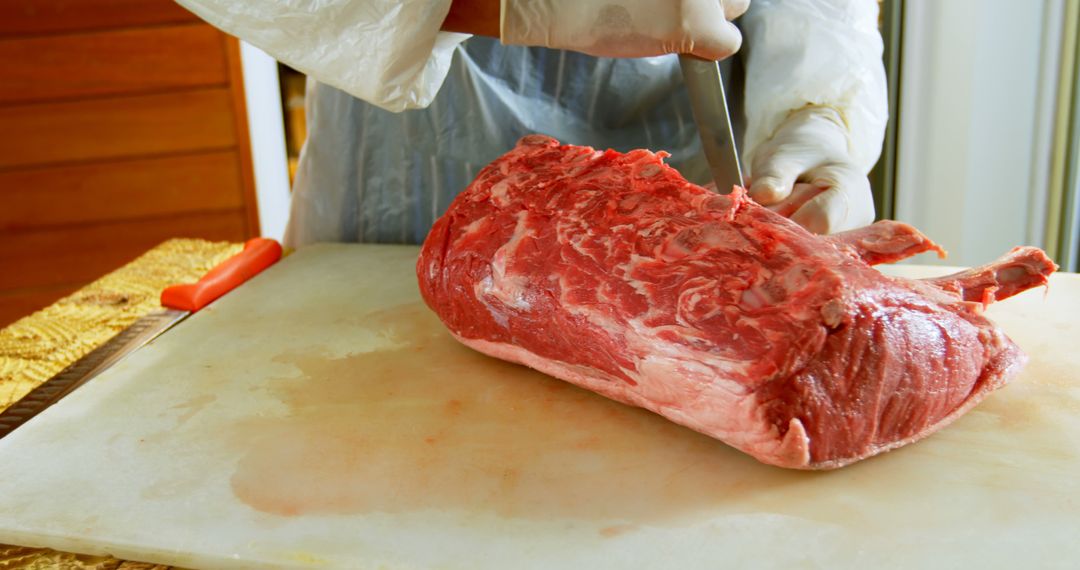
(612, 272)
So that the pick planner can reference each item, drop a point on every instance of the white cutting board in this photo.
(320, 416)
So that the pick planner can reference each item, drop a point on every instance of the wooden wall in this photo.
(122, 124)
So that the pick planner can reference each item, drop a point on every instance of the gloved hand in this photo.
(626, 28)
(805, 171)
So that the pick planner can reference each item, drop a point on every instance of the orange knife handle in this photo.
(258, 254)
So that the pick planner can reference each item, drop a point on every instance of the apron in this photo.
(369, 175)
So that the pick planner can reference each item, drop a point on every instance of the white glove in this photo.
(625, 28)
(811, 146)
(816, 108)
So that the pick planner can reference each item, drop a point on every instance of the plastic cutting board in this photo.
(320, 416)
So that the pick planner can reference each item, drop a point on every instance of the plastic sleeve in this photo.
(390, 53)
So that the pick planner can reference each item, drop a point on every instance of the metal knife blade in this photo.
(179, 302)
(142, 331)
(709, 103)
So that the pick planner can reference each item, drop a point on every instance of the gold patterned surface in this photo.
(12, 557)
(36, 347)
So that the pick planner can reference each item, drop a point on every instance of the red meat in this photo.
(612, 272)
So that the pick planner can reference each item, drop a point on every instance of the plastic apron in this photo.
(369, 175)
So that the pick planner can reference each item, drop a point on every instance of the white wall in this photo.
(266, 124)
(977, 81)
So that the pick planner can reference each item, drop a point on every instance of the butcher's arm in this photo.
(391, 53)
(477, 17)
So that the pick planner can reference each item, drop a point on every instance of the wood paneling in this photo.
(123, 125)
(15, 305)
(119, 190)
(113, 62)
(116, 127)
(79, 254)
(25, 17)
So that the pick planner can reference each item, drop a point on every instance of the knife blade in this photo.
(179, 301)
(705, 85)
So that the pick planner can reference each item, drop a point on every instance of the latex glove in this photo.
(626, 28)
(812, 147)
(811, 162)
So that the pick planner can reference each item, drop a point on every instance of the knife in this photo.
(179, 301)
(705, 85)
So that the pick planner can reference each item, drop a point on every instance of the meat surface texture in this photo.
(612, 272)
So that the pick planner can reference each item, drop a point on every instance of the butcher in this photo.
(408, 99)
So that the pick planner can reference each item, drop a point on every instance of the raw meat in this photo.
(612, 272)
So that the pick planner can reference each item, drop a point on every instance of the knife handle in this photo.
(258, 254)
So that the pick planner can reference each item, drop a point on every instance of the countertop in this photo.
(38, 346)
